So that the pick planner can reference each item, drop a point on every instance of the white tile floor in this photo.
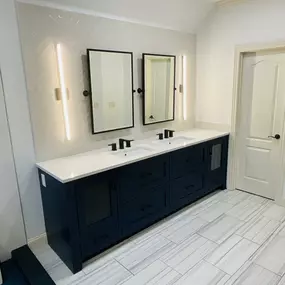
(228, 238)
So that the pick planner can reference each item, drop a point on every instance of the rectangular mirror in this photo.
(111, 86)
(159, 88)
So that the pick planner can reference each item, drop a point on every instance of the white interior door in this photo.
(261, 116)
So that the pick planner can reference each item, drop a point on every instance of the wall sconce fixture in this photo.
(62, 92)
(184, 86)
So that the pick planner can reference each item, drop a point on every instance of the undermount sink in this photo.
(175, 141)
(133, 151)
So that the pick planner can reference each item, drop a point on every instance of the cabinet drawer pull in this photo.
(146, 174)
(95, 240)
(189, 159)
(145, 207)
(189, 186)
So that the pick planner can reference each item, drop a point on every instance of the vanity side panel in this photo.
(225, 158)
(217, 164)
(61, 220)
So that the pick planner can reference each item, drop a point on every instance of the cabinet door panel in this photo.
(216, 161)
(135, 178)
(186, 190)
(98, 217)
(186, 160)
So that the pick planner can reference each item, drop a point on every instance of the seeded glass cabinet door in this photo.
(98, 218)
(216, 163)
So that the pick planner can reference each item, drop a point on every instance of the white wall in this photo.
(181, 15)
(247, 22)
(19, 120)
(41, 28)
(12, 233)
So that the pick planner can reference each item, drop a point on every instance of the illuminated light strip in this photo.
(63, 91)
(184, 71)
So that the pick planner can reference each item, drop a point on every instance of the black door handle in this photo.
(277, 137)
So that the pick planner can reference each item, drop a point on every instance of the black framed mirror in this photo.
(159, 73)
(111, 90)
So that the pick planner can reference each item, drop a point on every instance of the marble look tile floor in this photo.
(228, 238)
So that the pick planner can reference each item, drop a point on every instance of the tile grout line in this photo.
(268, 270)
(124, 267)
(217, 267)
(171, 267)
(227, 251)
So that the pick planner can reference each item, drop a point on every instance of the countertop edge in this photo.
(124, 163)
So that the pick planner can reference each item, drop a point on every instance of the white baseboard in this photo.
(42, 237)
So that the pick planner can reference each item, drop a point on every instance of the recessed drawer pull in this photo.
(145, 207)
(146, 174)
(189, 186)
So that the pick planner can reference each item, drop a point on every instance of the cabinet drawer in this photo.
(96, 239)
(143, 211)
(187, 160)
(186, 190)
(135, 178)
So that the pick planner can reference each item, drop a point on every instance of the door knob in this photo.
(277, 137)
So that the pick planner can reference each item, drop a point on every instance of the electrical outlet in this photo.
(43, 178)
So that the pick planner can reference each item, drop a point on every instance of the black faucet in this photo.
(168, 133)
(114, 146)
(160, 136)
(121, 143)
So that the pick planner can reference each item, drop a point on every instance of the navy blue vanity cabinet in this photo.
(217, 163)
(137, 177)
(86, 216)
(187, 171)
(61, 220)
(143, 190)
(97, 212)
(184, 161)
(143, 211)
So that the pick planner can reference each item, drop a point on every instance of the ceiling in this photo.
(182, 15)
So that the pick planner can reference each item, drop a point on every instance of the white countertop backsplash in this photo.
(78, 166)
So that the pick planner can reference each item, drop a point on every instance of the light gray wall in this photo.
(19, 122)
(12, 233)
(230, 25)
(179, 15)
(41, 28)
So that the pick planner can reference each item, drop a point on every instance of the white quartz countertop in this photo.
(78, 166)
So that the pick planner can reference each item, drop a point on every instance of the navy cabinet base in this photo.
(89, 215)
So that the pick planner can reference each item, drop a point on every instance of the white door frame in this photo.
(236, 110)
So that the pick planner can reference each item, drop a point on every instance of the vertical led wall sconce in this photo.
(62, 92)
(184, 86)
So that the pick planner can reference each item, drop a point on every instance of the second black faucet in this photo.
(122, 143)
(168, 133)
